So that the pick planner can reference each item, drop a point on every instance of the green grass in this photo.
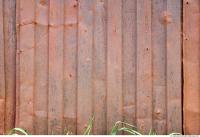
(125, 127)
(89, 127)
(18, 131)
(118, 128)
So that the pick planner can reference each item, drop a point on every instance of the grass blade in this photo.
(130, 131)
(152, 132)
(89, 127)
(15, 131)
(114, 129)
(171, 134)
(126, 128)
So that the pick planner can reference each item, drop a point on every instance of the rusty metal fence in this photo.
(64, 61)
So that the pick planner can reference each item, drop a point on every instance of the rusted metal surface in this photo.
(111, 59)
(191, 66)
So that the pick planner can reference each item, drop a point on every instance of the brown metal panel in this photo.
(2, 72)
(41, 67)
(70, 65)
(85, 60)
(174, 90)
(10, 61)
(191, 66)
(129, 60)
(114, 62)
(99, 66)
(159, 66)
(26, 74)
(144, 66)
(56, 46)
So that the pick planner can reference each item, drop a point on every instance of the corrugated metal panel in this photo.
(191, 66)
